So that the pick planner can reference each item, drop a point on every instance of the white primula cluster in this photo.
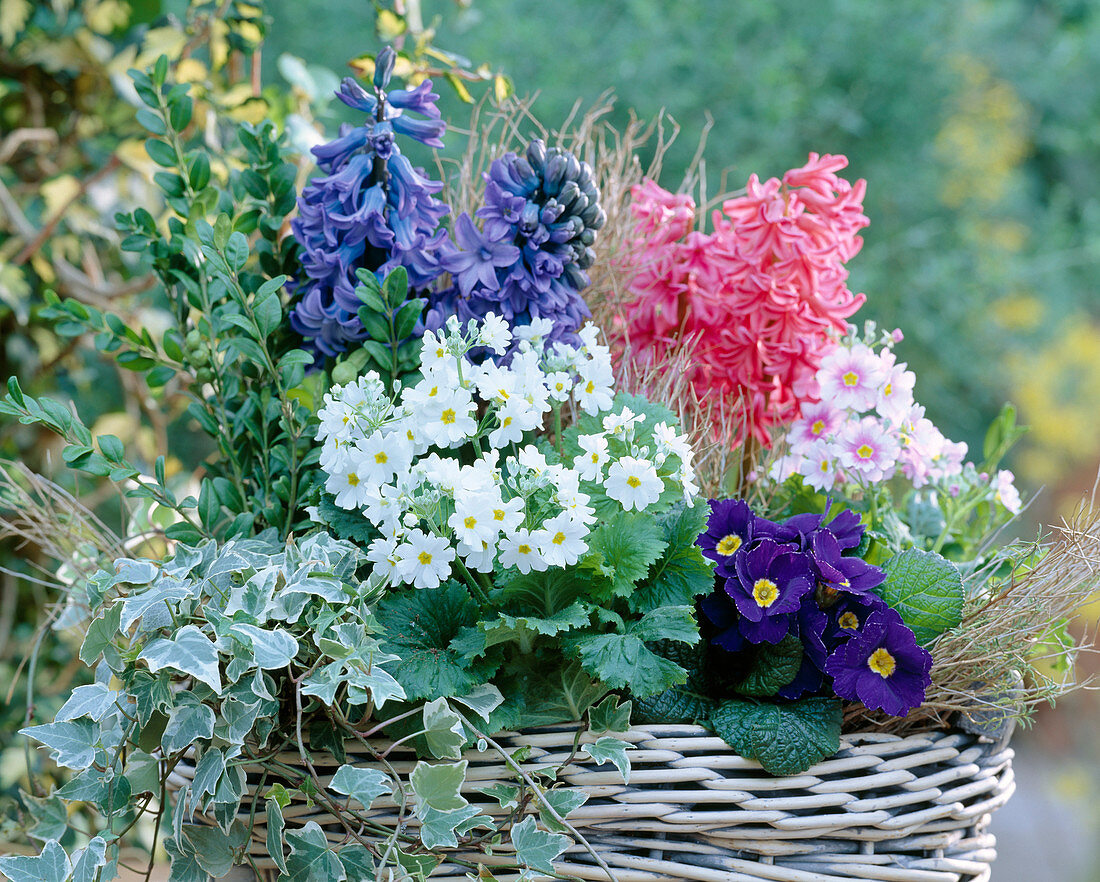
(443, 472)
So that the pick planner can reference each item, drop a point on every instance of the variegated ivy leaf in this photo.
(536, 848)
(52, 865)
(134, 572)
(311, 859)
(443, 730)
(610, 750)
(189, 652)
(439, 785)
(483, 700)
(166, 591)
(363, 785)
(88, 860)
(72, 743)
(563, 801)
(93, 701)
(188, 722)
(271, 649)
(439, 829)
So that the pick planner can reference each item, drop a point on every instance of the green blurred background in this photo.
(976, 125)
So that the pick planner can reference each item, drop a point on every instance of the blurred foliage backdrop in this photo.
(976, 124)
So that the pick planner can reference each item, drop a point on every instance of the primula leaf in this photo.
(623, 661)
(680, 704)
(363, 785)
(683, 573)
(521, 629)
(674, 623)
(926, 589)
(535, 848)
(622, 549)
(52, 865)
(311, 859)
(773, 667)
(541, 691)
(190, 652)
(786, 738)
(419, 625)
(610, 750)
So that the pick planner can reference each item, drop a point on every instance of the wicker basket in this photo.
(896, 809)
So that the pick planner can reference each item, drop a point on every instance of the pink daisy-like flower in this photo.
(850, 378)
(1005, 492)
(819, 420)
(895, 397)
(819, 466)
(868, 449)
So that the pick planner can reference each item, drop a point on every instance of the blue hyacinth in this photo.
(539, 223)
(371, 209)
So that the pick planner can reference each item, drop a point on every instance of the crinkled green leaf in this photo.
(786, 738)
(676, 623)
(189, 652)
(774, 665)
(926, 589)
(623, 661)
(680, 704)
(682, 574)
(523, 629)
(419, 625)
(622, 549)
(536, 848)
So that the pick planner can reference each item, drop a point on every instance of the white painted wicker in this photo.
(889, 808)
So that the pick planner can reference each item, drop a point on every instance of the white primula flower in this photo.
(531, 459)
(495, 383)
(633, 483)
(348, 485)
(472, 520)
(508, 514)
(382, 506)
(382, 455)
(441, 472)
(534, 332)
(560, 385)
(481, 557)
(424, 561)
(383, 554)
(589, 335)
(495, 334)
(594, 388)
(621, 423)
(512, 421)
(334, 453)
(670, 442)
(435, 354)
(561, 540)
(520, 549)
(447, 419)
(590, 462)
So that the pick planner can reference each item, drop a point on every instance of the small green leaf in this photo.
(563, 801)
(439, 785)
(396, 287)
(610, 716)
(407, 317)
(535, 848)
(926, 589)
(236, 251)
(786, 738)
(160, 152)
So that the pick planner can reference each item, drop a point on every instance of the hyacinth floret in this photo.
(539, 221)
(369, 209)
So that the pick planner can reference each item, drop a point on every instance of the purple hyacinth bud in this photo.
(383, 67)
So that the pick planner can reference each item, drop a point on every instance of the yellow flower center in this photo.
(765, 592)
(850, 379)
(559, 538)
(440, 352)
(596, 458)
(434, 392)
(353, 479)
(849, 621)
(524, 549)
(448, 417)
(889, 390)
(727, 545)
(590, 388)
(882, 663)
(470, 522)
(381, 458)
(824, 465)
(634, 481)
(347, 419)
(506, 422)
(865, 451)
(817, 427)
(498, 514)
(424, 557)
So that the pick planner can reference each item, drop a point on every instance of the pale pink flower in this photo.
(868, 449)
(819, 466)
(895, 397)
(819, 420)
(851, 377)
(1005, 492)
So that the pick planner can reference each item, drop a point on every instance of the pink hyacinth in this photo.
(758, 300)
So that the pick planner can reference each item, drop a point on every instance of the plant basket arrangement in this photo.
(550, 530)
